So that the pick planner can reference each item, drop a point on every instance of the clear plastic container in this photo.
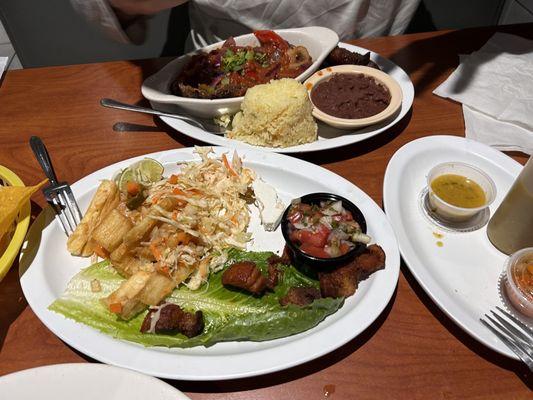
(511, 226)
(449, 211)
(519, 281)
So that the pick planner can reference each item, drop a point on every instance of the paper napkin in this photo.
(495, 86)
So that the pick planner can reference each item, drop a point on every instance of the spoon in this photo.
(200, 123)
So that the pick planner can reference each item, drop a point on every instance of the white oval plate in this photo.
(85, 382)
(328, 137)
(462, 276)
(53, 267)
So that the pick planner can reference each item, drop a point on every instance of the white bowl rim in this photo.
(149, 92)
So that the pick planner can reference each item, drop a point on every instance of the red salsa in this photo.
(324, 230)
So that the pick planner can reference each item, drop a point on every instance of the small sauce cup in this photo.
(311, 265)
(449, 211)
(518, 281)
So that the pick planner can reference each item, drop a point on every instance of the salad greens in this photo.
(229, 314)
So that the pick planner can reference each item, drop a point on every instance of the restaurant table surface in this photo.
(413, 350)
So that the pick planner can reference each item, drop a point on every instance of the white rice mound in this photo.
(276, 114)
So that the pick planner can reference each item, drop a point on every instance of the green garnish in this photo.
(233, 62)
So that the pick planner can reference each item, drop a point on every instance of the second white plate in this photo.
(328, 137)
(84, 381)
(462, 274)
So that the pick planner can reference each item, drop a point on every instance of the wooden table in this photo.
(412, 350)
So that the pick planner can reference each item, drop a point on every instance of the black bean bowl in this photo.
(311, 265)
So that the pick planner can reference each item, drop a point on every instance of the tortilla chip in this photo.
(12, 199)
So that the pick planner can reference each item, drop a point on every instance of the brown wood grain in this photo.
(411, 351)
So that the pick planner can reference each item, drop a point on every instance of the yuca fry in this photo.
(111, 230)
(141, 290)
(12, 198)
(142, 229)
(105, 199)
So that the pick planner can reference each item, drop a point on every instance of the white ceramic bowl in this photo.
(319, 42)
(346, 123)
(453, 213)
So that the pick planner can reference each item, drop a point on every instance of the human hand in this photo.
(143, 7)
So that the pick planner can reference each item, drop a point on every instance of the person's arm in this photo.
(122, 20)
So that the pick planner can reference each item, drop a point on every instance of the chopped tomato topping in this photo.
(314, 251)
(270, 37)
(319, 238)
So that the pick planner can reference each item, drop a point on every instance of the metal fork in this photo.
(58, 194)
(513, 333)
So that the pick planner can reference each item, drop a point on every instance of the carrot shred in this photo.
(228, 166)
(155, 251)
(178, 191)
(173, 179)
(100, 251)
(165, 270)
(115, 308)
(133, 188)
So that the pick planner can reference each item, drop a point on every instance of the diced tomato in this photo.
(314, 251)
(267, 36)
(318, 238)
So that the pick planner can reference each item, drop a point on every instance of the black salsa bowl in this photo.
(311, 265)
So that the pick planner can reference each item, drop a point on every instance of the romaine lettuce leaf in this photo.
(229, 314)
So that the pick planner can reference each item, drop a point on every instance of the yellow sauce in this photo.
(458, 191)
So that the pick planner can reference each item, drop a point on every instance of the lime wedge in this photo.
(149, 171)
(128, 175)
(144, 172)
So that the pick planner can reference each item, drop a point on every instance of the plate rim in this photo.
(438, 296)
(408, 95)
(388, 281)
(78, 369)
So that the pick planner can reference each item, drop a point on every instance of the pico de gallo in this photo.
(230, 70)
(324, 230)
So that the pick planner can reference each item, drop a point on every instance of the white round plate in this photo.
(328, 137)
(462, 276)
(53, 267)
(85, 382)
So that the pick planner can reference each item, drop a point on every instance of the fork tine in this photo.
(59, 212)
(66, 211)
(517, 341)
(526, 328)
(73, 205)
(509, 343)
(511, 328)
